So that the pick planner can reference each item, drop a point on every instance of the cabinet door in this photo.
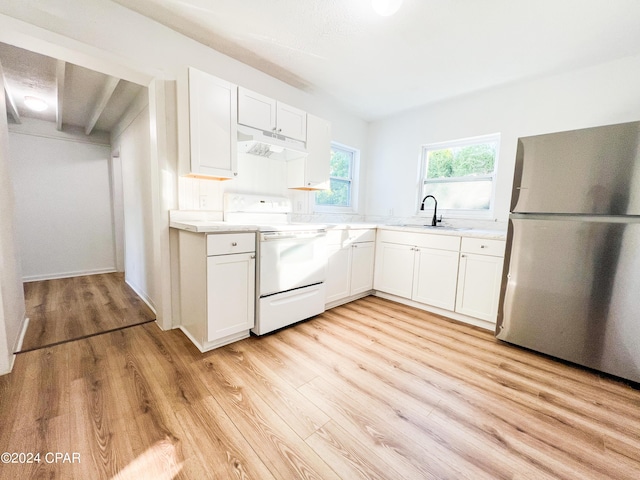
(255, 110)
(291, 122)
(362, 258)
(212, 116)
(319, 148)
(230, 294)
(479, 286)
(338, 272)
(435, 277)
(394, 269)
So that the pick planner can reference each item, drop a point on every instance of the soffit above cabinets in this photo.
(75, 96)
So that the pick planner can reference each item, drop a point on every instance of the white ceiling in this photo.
(429, 51)
(87, 99)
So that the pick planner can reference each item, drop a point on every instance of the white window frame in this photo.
(458, 212)
(354, 170)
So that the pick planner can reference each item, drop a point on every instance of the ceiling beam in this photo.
(60, 76)
(11, 105)
(100, 105)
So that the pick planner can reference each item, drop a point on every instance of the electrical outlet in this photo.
(203, 202)
(299, 207)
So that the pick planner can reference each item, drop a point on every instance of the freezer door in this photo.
(589, 171)
(571, 291)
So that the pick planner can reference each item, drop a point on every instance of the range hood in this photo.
(269, 144)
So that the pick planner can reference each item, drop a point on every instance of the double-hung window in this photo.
(340, 196)
(461, 175)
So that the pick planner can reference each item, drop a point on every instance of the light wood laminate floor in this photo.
(67, 309)
(368, 390)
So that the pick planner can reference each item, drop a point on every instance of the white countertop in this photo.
(200, 226)
(351, 226)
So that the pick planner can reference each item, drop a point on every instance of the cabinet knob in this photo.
(484, 246)
(463, 256)
(234, 244)
(253, 256)
(354, 245)
(235, 174)
(279, 130)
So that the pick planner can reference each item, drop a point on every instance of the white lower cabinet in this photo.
(394, 268)
(217, 287)
(419, 267)
(479, 278)
(350, 263)
(230, 294)
(435, 277)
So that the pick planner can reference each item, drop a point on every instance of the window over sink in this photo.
(461, 175)
(342, 181)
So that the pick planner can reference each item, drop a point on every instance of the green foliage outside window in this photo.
(339, 193)
(462, 161)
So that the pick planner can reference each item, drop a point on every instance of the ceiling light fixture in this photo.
(36, 104)
(386, 8)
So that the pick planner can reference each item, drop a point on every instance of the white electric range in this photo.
(291, 260)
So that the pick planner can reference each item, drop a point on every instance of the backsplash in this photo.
(328, 218)
(256, 175)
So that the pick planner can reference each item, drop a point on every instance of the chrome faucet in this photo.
(434, 220)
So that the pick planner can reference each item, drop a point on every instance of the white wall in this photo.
(600, 95)
(63, 203)
(133, 145)
(12, 307)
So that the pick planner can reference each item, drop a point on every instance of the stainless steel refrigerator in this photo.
(571, 284)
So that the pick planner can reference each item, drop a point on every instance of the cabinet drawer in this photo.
(483, 246)
(362, 235)
(227, 243)
(348, 236)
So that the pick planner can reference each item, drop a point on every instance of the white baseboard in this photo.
(145, 298)
(18, 345)
(439, 311)
(217, 343)
(342, 301)
(23, 332)
(56, 276)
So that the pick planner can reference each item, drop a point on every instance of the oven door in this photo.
(289, 260)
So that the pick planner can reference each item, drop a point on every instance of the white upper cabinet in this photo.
(264, 113)
(312, 172)
(255, 110)
(212, 104)
(291, 122)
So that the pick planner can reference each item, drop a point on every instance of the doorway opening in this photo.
(85, 272)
